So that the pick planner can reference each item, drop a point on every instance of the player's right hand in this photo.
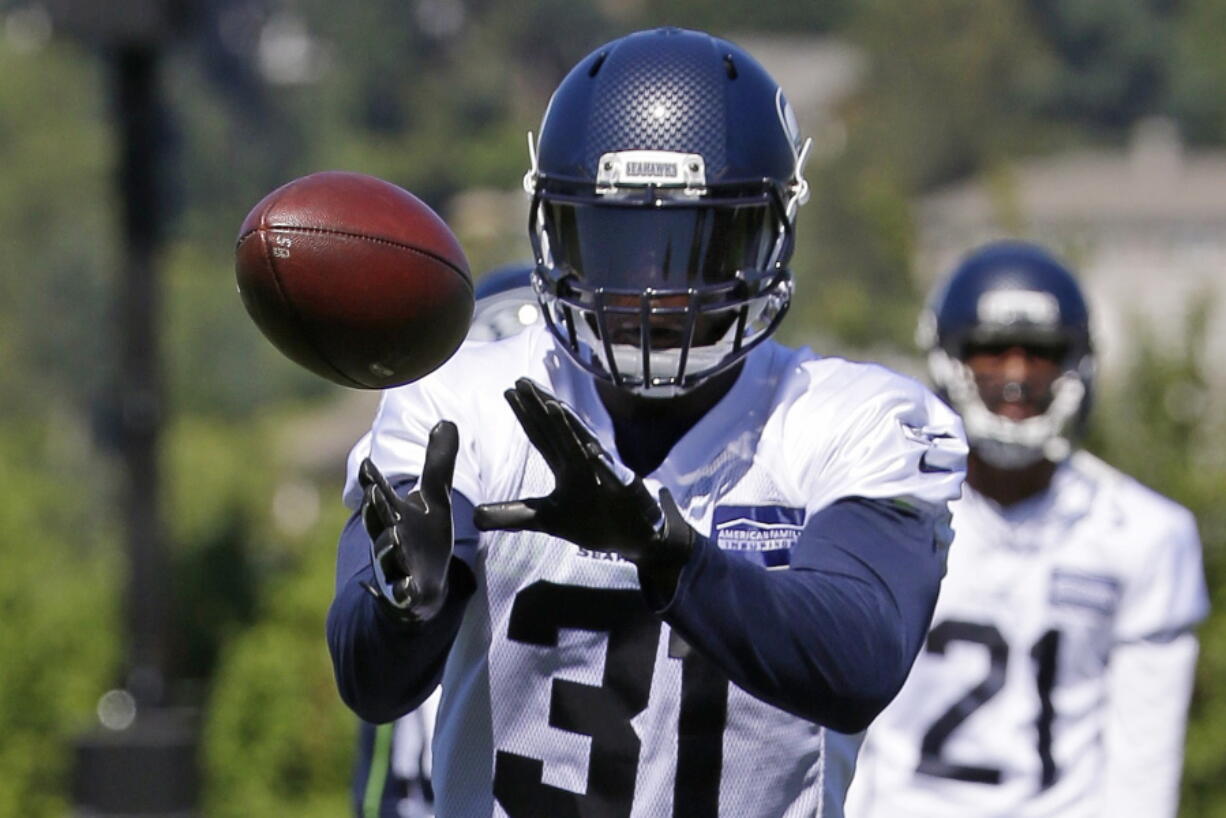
(597, 503)
(411, 537)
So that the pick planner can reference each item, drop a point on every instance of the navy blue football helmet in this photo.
(1012, 293)
(506, 303)
(665, 185)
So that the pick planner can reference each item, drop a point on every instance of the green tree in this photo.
(1159, 424)
(1114, 59)
(55, 227)
(278, 740)
(1200, 70)
(57, 595)
(947, 93)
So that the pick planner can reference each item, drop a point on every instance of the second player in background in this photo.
(1056, 678)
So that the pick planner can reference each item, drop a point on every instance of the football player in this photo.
(393, 767)
(392, 770)
(661, 564)
(1056, 677)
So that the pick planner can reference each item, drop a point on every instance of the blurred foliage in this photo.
(1158, 423)
(57, 228)
(1114, 60)
(727, 18)
(216, 504)
(951, 89)
(437, 95)
(279, 741)
(58, 601)
(1199, 70)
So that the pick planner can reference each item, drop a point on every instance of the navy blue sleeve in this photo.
(833, 639)
(385, 667)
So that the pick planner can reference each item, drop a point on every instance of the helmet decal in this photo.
(665, 169)
(1008, 307)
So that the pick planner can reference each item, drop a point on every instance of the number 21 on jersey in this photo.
(1043, 654)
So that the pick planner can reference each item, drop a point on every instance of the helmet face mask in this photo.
(661, 219)
(1012, 295)
(1005, 442)
(658, 292)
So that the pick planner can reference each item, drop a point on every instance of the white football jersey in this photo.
(561, 681)
(1007, 709)
(411, 758)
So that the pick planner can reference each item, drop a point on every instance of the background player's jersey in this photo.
(1006, 710)
(393, 769)
(561, 680)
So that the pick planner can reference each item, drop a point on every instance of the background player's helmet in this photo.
(665, 185)
(506, 303)
(1011, 292)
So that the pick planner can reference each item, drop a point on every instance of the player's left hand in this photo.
(597, 503)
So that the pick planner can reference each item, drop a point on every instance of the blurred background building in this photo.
(1144, 224)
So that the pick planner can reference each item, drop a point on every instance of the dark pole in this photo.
(145, 765)
(135, 74)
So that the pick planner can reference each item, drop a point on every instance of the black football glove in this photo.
(597, 503)
(411, 537)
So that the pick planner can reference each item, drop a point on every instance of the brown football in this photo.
(355, 279)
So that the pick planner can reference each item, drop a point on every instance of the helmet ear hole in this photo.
(597, 63)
